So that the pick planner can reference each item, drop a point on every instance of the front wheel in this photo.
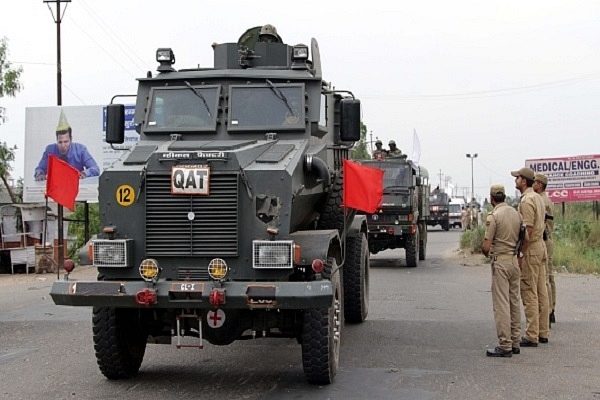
(356, 278)
(412, 250)
(321, 334)
(119, 341)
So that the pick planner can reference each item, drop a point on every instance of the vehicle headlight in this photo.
(272, 254)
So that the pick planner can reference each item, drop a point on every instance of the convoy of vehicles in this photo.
(225, 221)
(401, 220)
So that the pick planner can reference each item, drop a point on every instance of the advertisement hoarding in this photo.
(570, 179)
(86, 148)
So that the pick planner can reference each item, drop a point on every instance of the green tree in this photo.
(7, 156)
(9, 77)
(360, 150)
(9, 86)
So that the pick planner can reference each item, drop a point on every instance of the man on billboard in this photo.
(75, 154)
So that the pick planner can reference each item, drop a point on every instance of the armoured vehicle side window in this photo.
(184, 109)
(271, 106)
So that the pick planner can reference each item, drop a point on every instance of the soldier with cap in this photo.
(533, 261)
(540, 181)
(75, 154)
(393, 151)
(379, 151)
(499, 243)
(268, 33)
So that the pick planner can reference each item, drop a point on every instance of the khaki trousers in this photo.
(550, 275)
(534, 292)
(506, 301)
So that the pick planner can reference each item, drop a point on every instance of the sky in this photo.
(508, 80)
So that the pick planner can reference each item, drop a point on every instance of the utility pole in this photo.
(58, 19)
(440, 176)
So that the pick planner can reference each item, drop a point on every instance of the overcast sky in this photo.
(508, 80)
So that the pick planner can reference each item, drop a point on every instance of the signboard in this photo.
(84, 146)
(570, 179)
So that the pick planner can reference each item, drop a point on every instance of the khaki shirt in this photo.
(394, 153)
(549, 209)
(376, 154)
(532, 211)
(502, 229)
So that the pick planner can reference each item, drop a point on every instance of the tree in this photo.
(7, 156)
(9, 86)
(360, 151)
(9, 77)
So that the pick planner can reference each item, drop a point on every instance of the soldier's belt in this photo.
(503, 257)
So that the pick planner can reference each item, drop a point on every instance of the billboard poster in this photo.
(570, 179)
(76, 134)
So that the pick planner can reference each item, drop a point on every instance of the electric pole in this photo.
(58, 19)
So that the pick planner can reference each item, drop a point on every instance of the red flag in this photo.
(62, 184)
(363, 186)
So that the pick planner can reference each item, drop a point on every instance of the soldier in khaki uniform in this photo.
(379, 151)
(474, 216)
(533, 261)
(539, 186)
(499, 243)
(393, 151)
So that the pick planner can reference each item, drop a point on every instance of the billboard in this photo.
(570, 179)
(75, 134)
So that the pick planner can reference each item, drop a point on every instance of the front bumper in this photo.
(194, 294)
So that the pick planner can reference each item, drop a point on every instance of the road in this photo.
(425, 338)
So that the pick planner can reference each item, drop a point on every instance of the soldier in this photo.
(539, 186)
(499, 243)
(393, 151)
(474, 216)
(532, 261)
(464, 217)
(268, 33)
(379, 151)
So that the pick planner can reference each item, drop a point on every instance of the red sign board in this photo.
(570, 179)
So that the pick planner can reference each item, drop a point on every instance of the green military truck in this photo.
(401, 219)
(225, 221)
(439, 210)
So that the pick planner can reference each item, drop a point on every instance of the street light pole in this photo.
(472, 156)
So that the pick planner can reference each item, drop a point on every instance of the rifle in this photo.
(521, 240)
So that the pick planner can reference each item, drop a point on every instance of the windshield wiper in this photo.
(197, 93)
(279, 94)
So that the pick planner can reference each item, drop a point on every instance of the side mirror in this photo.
(115, 123)
(418, 183)
(350, 120)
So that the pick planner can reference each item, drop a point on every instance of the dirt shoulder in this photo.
(85, 272)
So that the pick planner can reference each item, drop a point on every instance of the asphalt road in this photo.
(425, 338)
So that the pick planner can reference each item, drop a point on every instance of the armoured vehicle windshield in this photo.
(269, 106)
(183, 108)
(396, 175)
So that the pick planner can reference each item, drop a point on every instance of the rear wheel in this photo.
(119, 341)
(321, 334)
(412, 250)
(423, 242)
(356, 278)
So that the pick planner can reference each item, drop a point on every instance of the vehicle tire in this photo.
(412, 250)
(356, 278)
(423, 242)
(321, 334)
(333, 213)
(119, 341)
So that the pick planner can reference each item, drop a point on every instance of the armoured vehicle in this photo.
(401, 219)
(439, 210)
(225, 221)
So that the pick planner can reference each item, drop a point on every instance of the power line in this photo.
(495, 92)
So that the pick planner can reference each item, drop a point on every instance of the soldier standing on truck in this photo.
(379, 151)
(393, 151)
